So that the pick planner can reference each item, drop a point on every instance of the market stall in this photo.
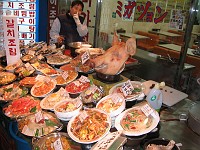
(58, 101)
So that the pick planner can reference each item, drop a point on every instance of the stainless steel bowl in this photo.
(79, 44)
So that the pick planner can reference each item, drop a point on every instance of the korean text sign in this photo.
(11, 39)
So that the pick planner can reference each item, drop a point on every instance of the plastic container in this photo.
(155, 98)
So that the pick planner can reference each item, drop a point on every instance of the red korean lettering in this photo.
(32, 14)
(10, 4)
(12, 51)
(52, 13)
(24, 35)
(31, 28)
(10, 23)
(129, 9)
(21, 5)
(119, 8)
(31, 21)
(11, 32)
(31, 36)
(32, 6)
(24, 13)
(149, 17)
(16, 12)
(11, 42)
(21, 20)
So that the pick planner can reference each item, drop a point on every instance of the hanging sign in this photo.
(11, 39)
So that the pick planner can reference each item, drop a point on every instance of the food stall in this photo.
(53, 99)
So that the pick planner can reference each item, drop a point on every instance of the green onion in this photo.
(33, 109)
(50, 123)
(37, 132)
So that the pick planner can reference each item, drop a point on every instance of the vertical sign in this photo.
(11, 39)
(52, 13)
(25, 11)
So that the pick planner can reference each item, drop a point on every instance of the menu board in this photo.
(25, 10)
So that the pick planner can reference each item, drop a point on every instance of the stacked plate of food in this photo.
(89, 126)
(43, 86)
(58, 59)
(22, 107)
(136, 93)
(28, 81)
(7, 77)
(66, 77)
(12, 91)
(76, 87)
(80, 67)
(39, 124)
(66, 109)
(92, 51)
(45, 69)
(50, 100)
(134, 122)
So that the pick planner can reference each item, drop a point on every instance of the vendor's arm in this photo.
(82, 29)
(54, 32)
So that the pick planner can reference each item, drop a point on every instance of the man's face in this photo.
(76, 9)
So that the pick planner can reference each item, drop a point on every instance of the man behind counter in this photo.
(69, 27)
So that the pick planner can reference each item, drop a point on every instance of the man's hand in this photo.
(76, 19)
(60, 39)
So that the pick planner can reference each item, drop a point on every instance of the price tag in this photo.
(30, 52)
(40, 57)
(84, 79)
(127, 88)
(93, 89)
(85, 57)
(147, 110)
(39, 78)
(65, 75)
(58, 145)
(115, 98)
(83, 116)
(63, 92)
(39, 116)
(29, 67)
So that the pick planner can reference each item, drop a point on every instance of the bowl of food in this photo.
(89, 126)
(39, 124)
(112, 104)
(66, 109)
(160, 143)
(47, 141)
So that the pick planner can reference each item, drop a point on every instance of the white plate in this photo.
(119, 109)
(118, 126)
(44, 95)
(92, 141)
(131, 98)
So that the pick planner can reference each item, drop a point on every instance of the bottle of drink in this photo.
(155, 98)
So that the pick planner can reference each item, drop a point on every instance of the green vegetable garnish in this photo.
(37, 132)
(137, 90)
(8, 90)
(33, 109)
(50, 123)
(127, 126)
